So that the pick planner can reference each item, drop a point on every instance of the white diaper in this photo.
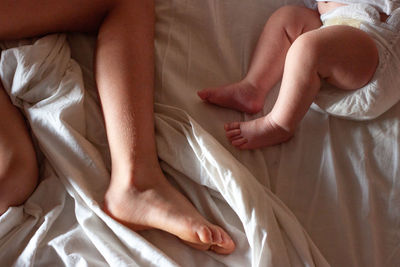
(383, 91)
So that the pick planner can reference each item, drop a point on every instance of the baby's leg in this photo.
(346, 57)
(18, 167)
(266, 67)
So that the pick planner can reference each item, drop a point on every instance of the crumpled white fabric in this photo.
(54, 227)
(272, 231)
(47, 85)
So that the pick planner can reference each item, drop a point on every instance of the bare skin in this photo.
(293, 47)
(16, 150)
(139, 196)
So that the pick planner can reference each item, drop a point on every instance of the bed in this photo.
(328, 197)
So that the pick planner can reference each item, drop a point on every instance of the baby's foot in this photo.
(163, 207)
(257, 133)
(241, 96)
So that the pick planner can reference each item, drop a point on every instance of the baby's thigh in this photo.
(296, 19)
(346, 56)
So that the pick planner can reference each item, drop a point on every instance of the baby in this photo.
(298, 48)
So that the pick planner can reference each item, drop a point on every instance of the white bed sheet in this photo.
(328, 196)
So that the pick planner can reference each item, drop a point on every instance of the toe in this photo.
(217, 236)
(235, 138)
(226, 246)
(205, 235)
(233, 133)
(222, 250)
(239, 142)
(232, 126)
(203, 94)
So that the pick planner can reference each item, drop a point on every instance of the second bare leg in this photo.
(266, 68)
(346, 57)
(18, 166)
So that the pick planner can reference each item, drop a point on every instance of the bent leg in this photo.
(18, 166)
(266, 67)
(346, 57)
(139, 195)
(342, 55)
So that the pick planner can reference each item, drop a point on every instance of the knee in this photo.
(305, 50)
(289, 11)
(18, 180)
(296, 20)
(287, 14)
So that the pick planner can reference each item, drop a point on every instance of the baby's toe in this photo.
(239, 141)
(204, 94)
(232, 126)
(233, 133)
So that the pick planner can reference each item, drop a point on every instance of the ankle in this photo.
(254, 96)
(254, 82)
(288, 128)
(139, 175)
(261, 82)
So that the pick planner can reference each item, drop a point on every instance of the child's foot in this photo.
(163, 207)
(257, 133)
(241, 96)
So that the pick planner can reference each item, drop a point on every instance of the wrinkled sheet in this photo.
(330, 196)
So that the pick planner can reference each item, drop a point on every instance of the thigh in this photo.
(295, 20)
(346, 56)
(26, 18)
(14, 136)
(18, 166)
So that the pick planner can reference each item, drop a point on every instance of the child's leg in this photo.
(139, 195)
(266, 67)
(18, 167)
(346, 57)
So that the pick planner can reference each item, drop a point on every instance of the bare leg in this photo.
(266, 67)
(16, 150)
(139, 195)
(346, 57)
